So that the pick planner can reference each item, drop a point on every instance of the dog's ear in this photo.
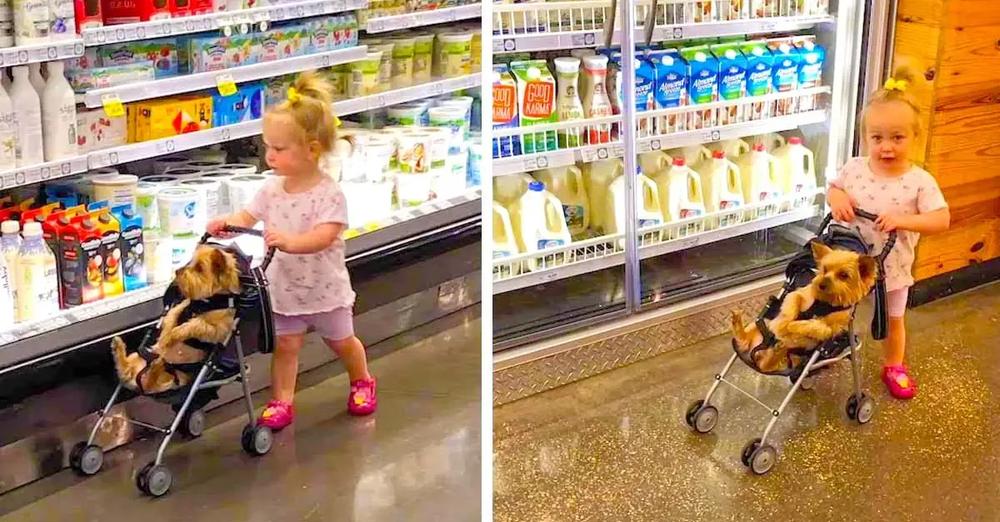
(867, 269)
(218, 261)
(819, 250)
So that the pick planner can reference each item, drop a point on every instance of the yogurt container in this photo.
(223, 206)
(456, 54)
(209, 189)
(402, 61)
(423, 57)
(412, 155)
(116, 189)
(160, 181)
(365, 75)
(179, 210)
(182, 247)
(145, 204)
(385, 48)
(451, 118)
(407, 115)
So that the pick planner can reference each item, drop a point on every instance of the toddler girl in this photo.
(905, 198)
(304, 213)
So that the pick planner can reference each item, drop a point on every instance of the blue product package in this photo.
(760, 62)
(703, 84)
(671, 88)
(246, 105)
(505, 112)
(810, 71)
(97, 205)
(61, 194)
(131, 247)
(785, 74)
(732, 81)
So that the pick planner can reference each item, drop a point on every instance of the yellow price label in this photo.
(226, 85)
(113, 106)
(351, 234)
(371, 227)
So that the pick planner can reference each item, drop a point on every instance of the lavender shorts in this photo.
(896, 302)
(335, 325)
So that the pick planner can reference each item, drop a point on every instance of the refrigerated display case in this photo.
(413, 259)
(674, 234)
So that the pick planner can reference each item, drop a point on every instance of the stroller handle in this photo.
(250, 231)
(864, 214)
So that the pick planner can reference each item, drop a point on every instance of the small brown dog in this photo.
(842, 280)
(211, 273)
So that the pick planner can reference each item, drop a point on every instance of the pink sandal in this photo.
(899, 382)
(277, 415)
(362, 400)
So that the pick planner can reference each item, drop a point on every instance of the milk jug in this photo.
(37, 279)
(538, 223)
(692, 154)
(681, 195)
(504, 244)
(597, 178)
(596, 103)
(566, 183)
(568, 103)
(647, 204)
(654, 162)
(771, 141)
(731, 148)
(722, 183)
(796, 167)
(760, 176)
(508, 188)
(6, 296)
(10, 244)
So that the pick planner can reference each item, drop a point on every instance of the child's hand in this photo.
(842, 205)
(890, 222)
(277, 239)
(215, 227)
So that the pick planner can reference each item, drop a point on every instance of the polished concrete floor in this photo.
(416, 459)
(615, 447)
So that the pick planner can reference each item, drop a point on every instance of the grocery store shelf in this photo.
(81, 313)
(422, 18)
(209, 80)
(43, 52)
(581, 257)
(43, 172)
(241, 20)
(566, 25)
(154, 148)
(589, 153)
(396, 96)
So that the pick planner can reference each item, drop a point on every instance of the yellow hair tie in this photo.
(336, 121)
(293, 95)
(893, 84)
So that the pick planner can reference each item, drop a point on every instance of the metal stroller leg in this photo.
(788, 397)
(243, 378)
(104, 413)
(855, 365)
(718, 378)
(180, 413)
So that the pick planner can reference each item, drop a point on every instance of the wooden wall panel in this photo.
(955, 44)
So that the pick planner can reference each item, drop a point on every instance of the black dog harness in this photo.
(194, 309)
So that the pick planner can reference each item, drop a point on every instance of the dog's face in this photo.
(843, 278)
(211, 271)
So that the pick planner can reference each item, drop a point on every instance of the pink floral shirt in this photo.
(915, 192)
(305, 283)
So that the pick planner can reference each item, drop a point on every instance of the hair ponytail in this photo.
(897, 89)
(309, 104)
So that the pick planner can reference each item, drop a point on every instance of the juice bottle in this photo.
(37, 277)
(596, 103)
(131, 247)
(568, 103)
(82, 267)
(111, 253)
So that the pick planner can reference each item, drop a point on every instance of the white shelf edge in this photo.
(530, 279)
(41, 52)
(415, 92)
(208, 80)
(587, 154)
(214, 21)
(543, 41)
(421, 18)
(43, 172)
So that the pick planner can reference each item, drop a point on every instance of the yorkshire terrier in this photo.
(843, 279)
(210, 272)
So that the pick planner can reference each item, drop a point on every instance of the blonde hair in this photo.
(896, 89)
(309, 105)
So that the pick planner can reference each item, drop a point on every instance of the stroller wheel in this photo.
(154, 480)
(701, 417)
(748, 451)
(86, 459)
(808, 383)
(193, 424)
(256, 440)
(860, 410)
(762, 459)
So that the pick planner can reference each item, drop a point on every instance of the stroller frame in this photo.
(155, 479)
(758, 455)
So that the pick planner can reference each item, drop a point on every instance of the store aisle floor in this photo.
(416, 459)
(615, 447)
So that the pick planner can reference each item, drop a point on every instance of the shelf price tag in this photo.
(113, 106)
(226, 84)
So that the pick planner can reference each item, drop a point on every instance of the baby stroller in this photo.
(253, 331)
(758, 455)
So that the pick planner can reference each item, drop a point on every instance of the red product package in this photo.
(132, 11)
(88, 14)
